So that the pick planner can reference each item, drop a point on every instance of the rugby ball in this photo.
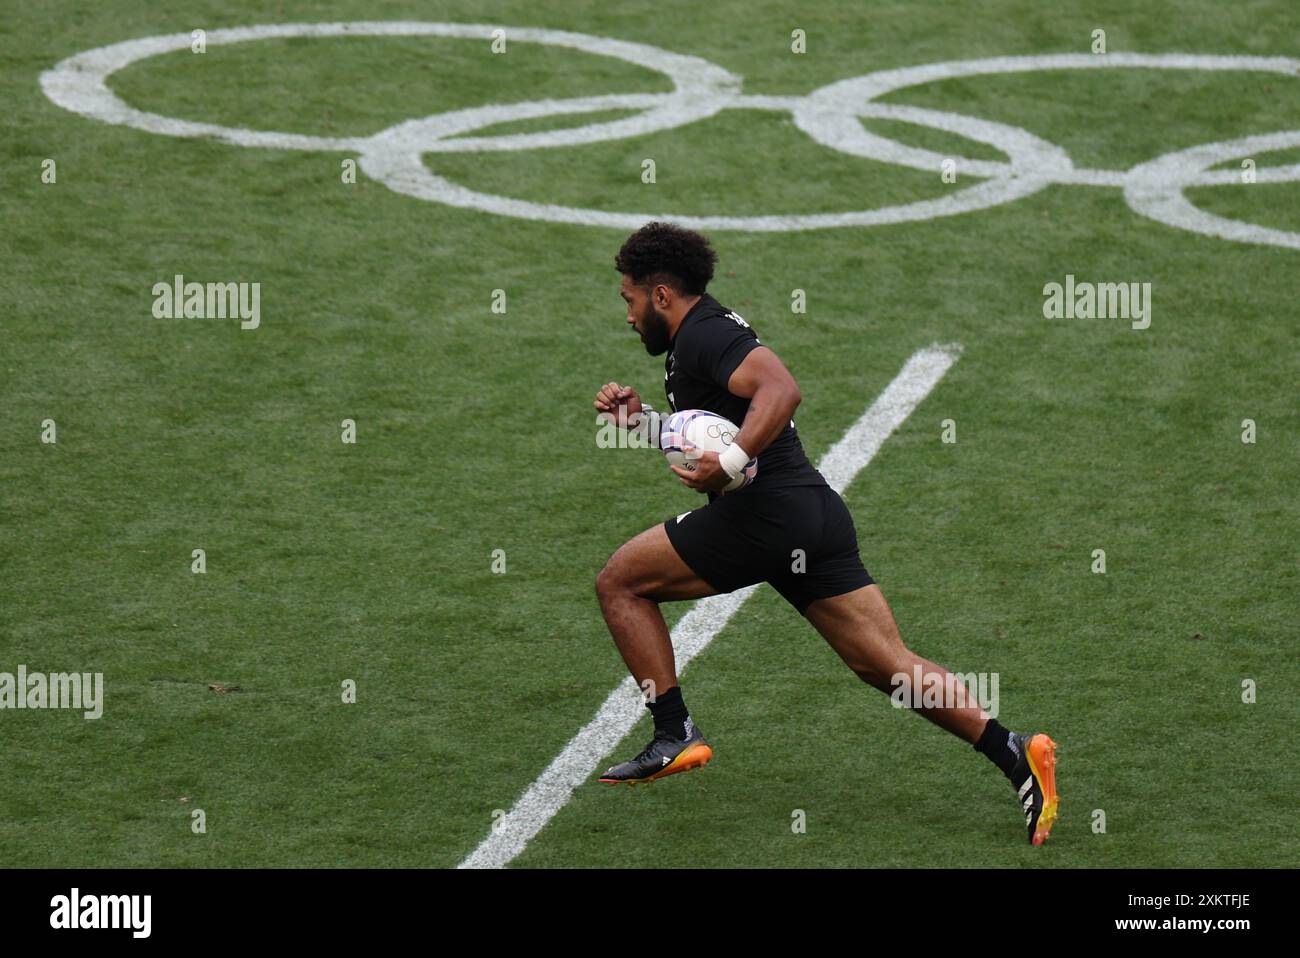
(684, 434)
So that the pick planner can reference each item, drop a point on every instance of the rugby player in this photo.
(715, 362)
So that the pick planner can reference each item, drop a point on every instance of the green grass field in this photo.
(372, 561)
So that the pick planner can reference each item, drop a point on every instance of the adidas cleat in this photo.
(1036, 773)
(665, 755)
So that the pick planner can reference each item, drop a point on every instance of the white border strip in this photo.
(697, 628)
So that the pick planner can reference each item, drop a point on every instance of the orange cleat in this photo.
(665, 755)
(1036, 771)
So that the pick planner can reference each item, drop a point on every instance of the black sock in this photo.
(669, 713)
(997, 745)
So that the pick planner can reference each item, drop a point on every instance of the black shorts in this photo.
(801, 539)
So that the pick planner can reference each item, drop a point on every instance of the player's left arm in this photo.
(773, 396)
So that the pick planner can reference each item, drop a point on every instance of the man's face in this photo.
(650, 324)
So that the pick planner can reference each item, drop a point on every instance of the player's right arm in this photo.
(623, 407)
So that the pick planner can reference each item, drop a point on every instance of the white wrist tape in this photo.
(733, 460)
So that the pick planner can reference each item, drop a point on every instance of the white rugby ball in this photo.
(684, 434)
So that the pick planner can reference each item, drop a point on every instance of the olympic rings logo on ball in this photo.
(830, 116)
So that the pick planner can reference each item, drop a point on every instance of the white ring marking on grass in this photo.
(80, 83)
(618, 715)
(1155, 189)
(830, 115)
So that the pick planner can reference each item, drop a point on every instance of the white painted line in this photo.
(850, 455)
(696, 629)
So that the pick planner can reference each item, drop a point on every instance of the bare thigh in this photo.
(648, 566)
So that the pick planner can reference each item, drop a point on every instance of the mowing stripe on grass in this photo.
(696, 629)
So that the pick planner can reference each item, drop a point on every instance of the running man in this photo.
(715, 362)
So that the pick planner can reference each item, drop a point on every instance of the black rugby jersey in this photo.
(709, 345)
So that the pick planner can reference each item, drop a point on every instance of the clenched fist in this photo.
(617, 403)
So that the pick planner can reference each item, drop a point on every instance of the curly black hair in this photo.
(672, 255)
